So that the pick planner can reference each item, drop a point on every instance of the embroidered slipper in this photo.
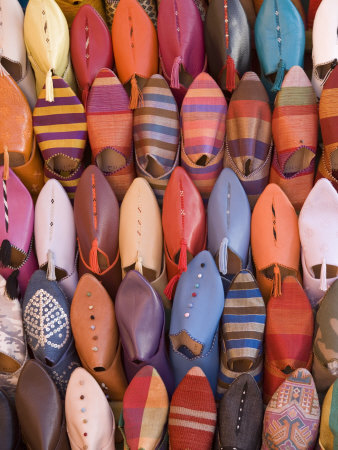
(227, 42)
(17, 258)
(60, 127)
(328, 164)
(274, 240)
(328, 437)
(203, 115)
(156, 135)
(135, 48)
(47, 326)
(184, 58)
(192, 415)
(325, 346)
(292, 416)
(91, 49)
(196, 312)
(248, 143)
(90, 420)
(319, 240)
(240, 416)
(229, 218)
(13, 348)
(110, 131)
(288, 335)
(145, 411)
(295, 135)
(96, 214)
(242, 332)
(55, 237)
(70, 8)
(46, 37)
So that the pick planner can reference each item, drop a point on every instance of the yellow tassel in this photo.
(138, 264)
(49, 87)
(5, 175)
(136, 96)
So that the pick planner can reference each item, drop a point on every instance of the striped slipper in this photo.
(288, 335)
(203, 116)
(328, 115)
(156, 135)
(60, 127)
(242, 332)
(249, 146)
(110, 124)
(192, 415)
(295, 134)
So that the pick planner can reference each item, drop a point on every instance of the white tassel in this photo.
(223, 256)
(333, 367)
(50, 266)
(138, 264)
(323, 282)
(49, 87)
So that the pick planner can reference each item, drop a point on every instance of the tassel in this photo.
(136, 96)
(277, 282)
(6, 253)
(5, 175)
(138, 265)
(50, 266)
(168, 291)
(223, 256)
(231, 74)
(323, 281)
(12, 285)
(85, 94)
(93, 261)
(333, 367)
(49, 87)
(175, 73)
(182, 267)
(279, 77)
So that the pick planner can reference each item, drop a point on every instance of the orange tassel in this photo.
(175, 73)
(277, 282)
(136, 96)
(93, 261)
(231, 74)
(6, 164)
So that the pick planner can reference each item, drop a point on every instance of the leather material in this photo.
(142, 333)
(14, 57)
(184, 53)
(96, 335)
(219, 47)
(18, 229)
(71, 7)
(96, 214)
(135, 45)
(274, 240)
(183, 219)
(54, 231)
(90, 421)
(90, 47)
(40, 410)
(325, 43)
(47, 41)
(15, 115)
(229, 220)
(286, 43)
(9, 426)
(194, 323)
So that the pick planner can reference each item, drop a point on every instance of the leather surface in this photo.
(39, 409)
(182, 21)
(134, 41)
(9, 426)
(183, 217)
(215, 39)
(54, 230)
(104, 364)
(291, 32)
(90, 46)
(90, 421)
(199, 322)
(142, 332)
(96, 214)
(229, 216)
